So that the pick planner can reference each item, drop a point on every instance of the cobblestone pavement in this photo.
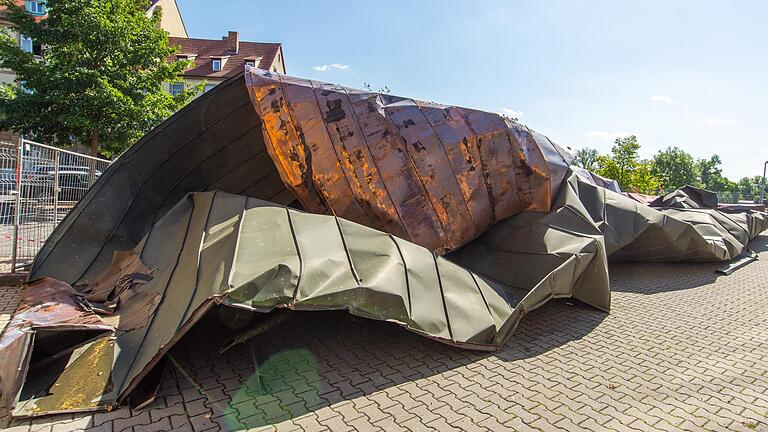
(682, 349)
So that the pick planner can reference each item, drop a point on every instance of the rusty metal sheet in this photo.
(454, 187)
(52, 321)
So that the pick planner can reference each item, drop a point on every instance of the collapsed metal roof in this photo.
(194, 217)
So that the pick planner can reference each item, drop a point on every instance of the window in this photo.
(251, 63)
(209, 87)
(217, 65)
(36, 7)
(26, 44)
(24, 88)
(177, 88)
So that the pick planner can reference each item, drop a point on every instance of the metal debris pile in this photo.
(273, 193)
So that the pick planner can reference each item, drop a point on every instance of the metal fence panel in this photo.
(39, 185)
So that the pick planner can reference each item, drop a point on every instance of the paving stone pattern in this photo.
(682, 349)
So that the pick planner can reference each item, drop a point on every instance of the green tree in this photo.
(644, 180)
(99, 80)
(622, 161)
(711, 175)
(675, 168)
(587, 158)
(625, 166)
(749, 188)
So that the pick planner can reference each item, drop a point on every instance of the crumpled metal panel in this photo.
(433, 174)
(521, 228)
(595, 179)
(210, 249)
(688, 197)
(636, 232)
(52, 321)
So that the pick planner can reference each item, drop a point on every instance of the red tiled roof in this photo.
(206, 50)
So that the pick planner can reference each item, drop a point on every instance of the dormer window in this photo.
(216, 65)
(36, 7)
(251, 63)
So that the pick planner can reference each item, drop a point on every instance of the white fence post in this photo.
(17, 206)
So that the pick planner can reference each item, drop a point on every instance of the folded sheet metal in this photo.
(636, 232)
(193, 218)
(213, 143)
(436, 175)
(52, 321)
(595, 179)
(687, 197)
(215, 248)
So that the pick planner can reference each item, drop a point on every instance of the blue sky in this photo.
(691, 74)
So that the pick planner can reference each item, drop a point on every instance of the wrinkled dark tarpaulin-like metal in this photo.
(210, 249)
(217, 248)
(635, 232)
(687, 197)
(597, 180)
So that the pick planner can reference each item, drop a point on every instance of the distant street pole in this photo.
(762, 186)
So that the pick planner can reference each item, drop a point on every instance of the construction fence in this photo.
(39, 185)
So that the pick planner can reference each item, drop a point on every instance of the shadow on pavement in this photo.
(655, 278)
(314, 360)
(759, 244)
(317, 359)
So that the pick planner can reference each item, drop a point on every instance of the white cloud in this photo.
(662, 99)
(722, 121)
(511, 113)
(325, 67)
(607, 135)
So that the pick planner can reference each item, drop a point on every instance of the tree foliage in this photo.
(100, 77)
(675, 168)
(587, 158)
(749, 188)
(669, 169)
(624, 165)
(711, 175)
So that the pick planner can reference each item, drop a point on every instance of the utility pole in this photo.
(762, 186)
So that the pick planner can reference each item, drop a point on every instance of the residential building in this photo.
(171, 22)
(216, 60)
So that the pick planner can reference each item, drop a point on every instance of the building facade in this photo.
(216, 60)
(213, 60)
(171, 22)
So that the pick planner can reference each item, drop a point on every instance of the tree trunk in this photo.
(95, 143)
(94, 153)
